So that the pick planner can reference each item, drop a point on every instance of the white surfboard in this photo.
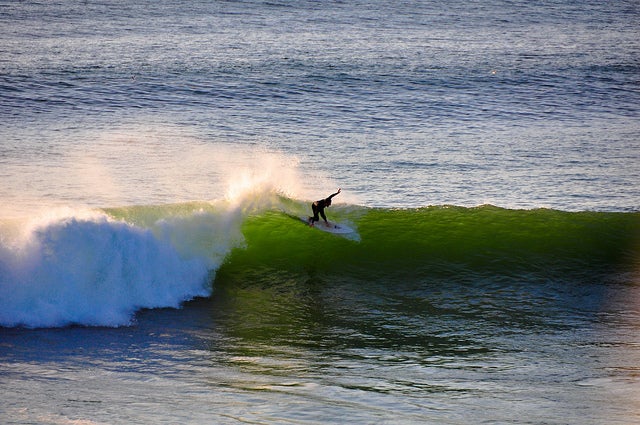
(335, 228)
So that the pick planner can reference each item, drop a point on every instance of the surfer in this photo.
(318, 208)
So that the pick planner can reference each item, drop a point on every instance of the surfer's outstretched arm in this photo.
(335, 193)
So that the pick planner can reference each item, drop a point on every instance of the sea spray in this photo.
(98, 267)
(90, 266)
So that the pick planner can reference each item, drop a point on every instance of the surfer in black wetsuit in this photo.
(318, 208)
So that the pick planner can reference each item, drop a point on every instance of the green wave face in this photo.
(413, 274)
(444, 241)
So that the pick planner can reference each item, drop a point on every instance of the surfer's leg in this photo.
(315, 217)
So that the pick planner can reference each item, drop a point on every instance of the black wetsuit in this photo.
(318, 208)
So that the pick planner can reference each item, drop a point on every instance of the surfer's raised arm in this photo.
(339, 190)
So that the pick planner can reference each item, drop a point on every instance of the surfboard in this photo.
(335, 228)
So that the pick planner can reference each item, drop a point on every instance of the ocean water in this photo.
(155, 157)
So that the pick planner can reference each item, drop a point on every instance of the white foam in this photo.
(88, 269)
